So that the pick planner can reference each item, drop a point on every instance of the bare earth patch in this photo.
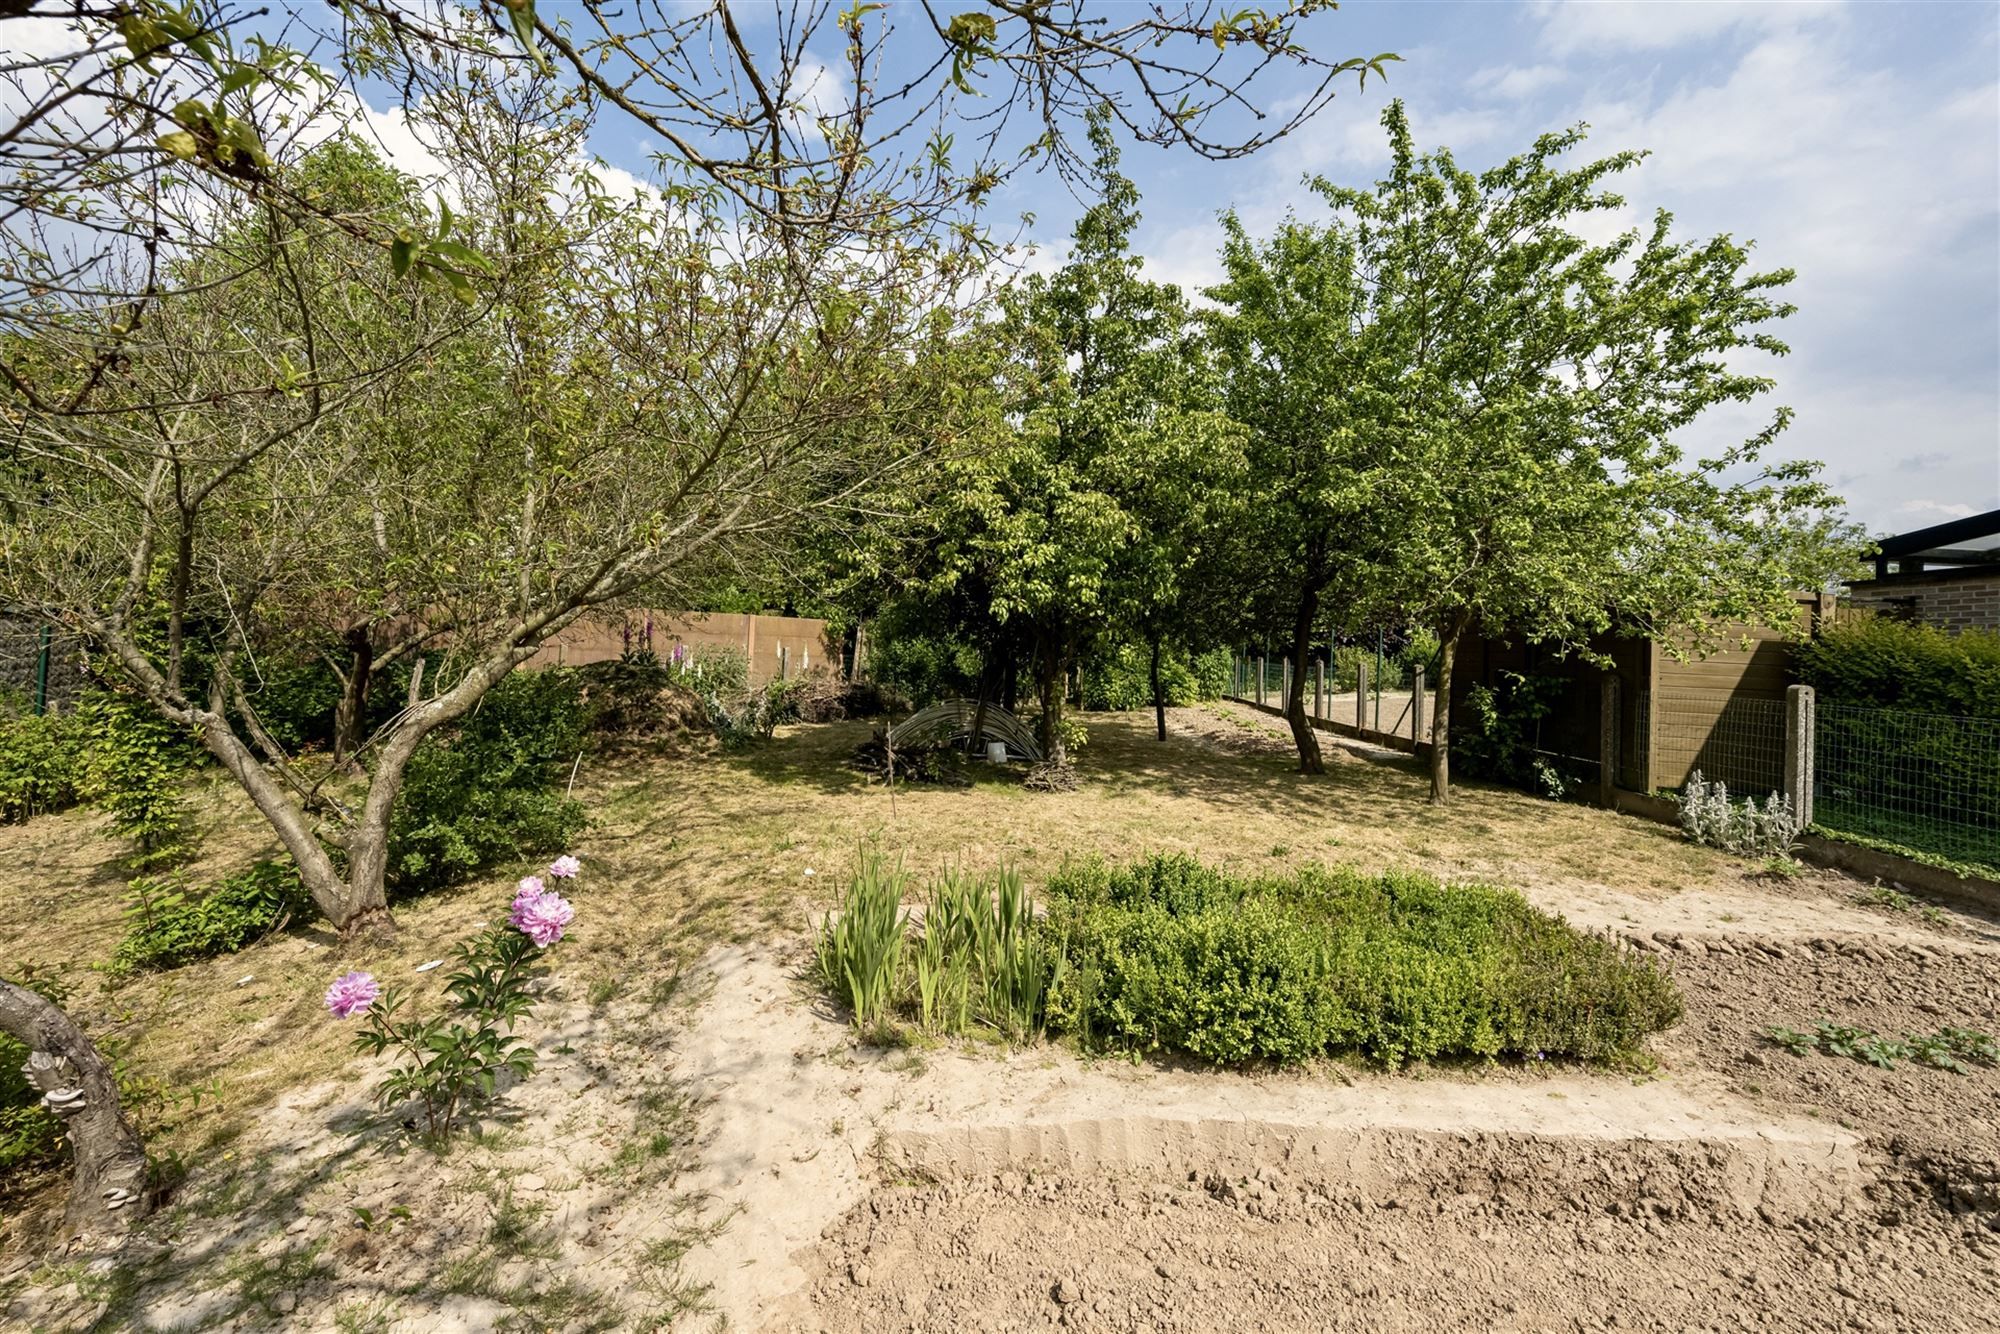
(1693, 1201)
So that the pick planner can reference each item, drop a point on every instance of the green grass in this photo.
(1948, 847)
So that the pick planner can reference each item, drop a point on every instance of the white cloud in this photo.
(1517, 81)
(1935, 509)
(1654, 25)
(814, 93)
(38, 37)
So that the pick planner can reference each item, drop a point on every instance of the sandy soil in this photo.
(1745, 1187)
(739, 1161)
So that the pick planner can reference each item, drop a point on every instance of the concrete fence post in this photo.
(1800, 706)
(1361, 695)
(1260, 678)
(1319, 689)
(1607, 741)
(1417, 701)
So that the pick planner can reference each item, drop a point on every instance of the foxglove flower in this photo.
(565, 867)
(350, 994)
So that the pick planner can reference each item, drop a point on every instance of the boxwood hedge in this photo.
(1169, 955)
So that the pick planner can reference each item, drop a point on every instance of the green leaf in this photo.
(971, 30)
(521, 15)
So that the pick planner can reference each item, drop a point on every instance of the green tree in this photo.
(640, 390)
(314, 415)
(1104, 494)
(1530, 386)
(1293, 336)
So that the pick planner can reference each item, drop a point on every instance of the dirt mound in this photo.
(1274, 1252)
(1777, 1174)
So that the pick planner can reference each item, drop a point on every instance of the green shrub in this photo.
(1173, 956)
(709, 669)
(134, 766)
(41, 764)
(754, 714)
(491, 789)
(1213, 672)
(1419, 651)
(1498, 733)
(1877, 680)
(1119, 677)
(296, 700)
(925, 667)
(1876, 662)
(171, 927)
(297, 695)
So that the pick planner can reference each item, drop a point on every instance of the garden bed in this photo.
(707, 1135)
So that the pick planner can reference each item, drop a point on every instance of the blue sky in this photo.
(1858, 144)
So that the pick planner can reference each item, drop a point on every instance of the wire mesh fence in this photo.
(1388, 706)
(1928, 783)
(1735, 740)
(1925, 781)
(1635, 756)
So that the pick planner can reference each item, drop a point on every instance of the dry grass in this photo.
(688, 852)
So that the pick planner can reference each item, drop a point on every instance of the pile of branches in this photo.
(824, 698)
(632, 702)
(1051, 776)
(940, 765)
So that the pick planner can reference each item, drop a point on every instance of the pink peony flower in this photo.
(350, 994)
(565, 867)
(542, 918)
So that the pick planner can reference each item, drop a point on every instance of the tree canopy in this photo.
(1474, 412)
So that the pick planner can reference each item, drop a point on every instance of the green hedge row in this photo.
(1876, 662)
(1169, 955)
(1120, 677)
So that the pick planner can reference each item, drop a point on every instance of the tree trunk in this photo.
(329, 892)
(1052, 687)
(988, 669)
(1159, 696)
(360, 903)
(107, 1194)
(350, 716)
(1303, 735)
(1441, 715)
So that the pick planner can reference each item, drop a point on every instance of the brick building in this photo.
(1947, 575)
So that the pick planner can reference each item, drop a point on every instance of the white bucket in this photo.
(996, 752)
